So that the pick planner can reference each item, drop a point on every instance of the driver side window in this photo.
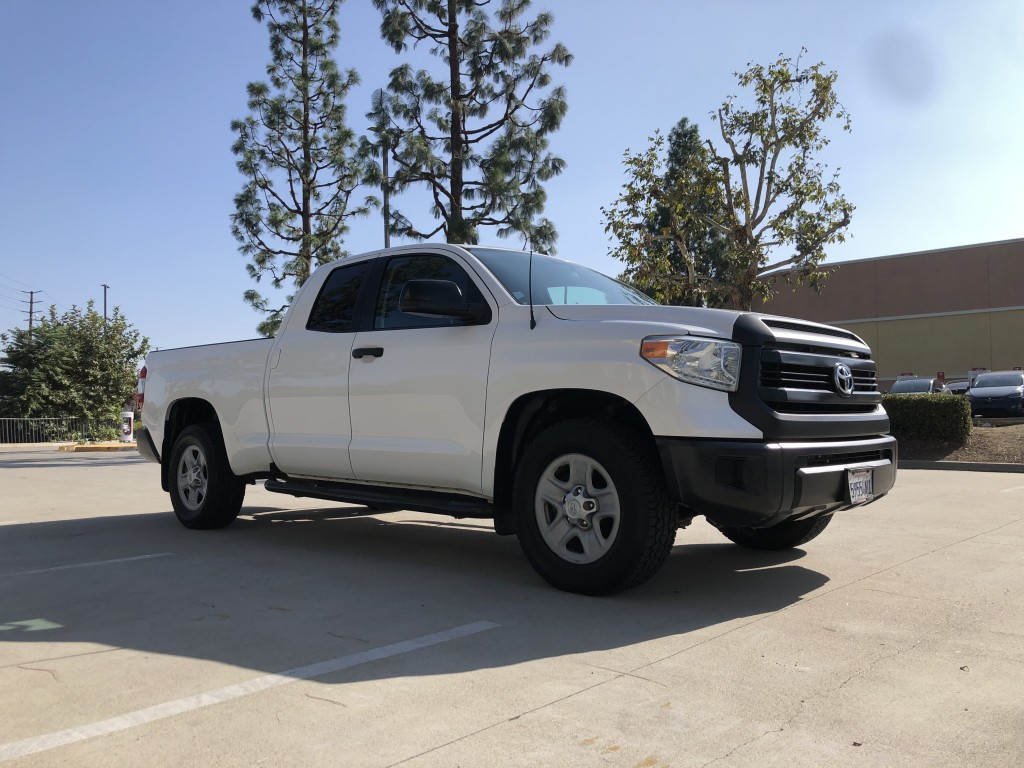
(399, 271)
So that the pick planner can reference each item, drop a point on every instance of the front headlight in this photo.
(705, 362)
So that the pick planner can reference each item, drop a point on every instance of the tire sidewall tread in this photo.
(225, 491)
(785, 535)
(647, 522)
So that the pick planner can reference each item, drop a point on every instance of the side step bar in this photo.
(452, 504)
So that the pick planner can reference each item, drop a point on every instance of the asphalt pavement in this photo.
(315, 634)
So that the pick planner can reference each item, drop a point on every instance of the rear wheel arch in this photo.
(181, 415)
(531, 414)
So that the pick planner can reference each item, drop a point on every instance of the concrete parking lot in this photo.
(309, 634)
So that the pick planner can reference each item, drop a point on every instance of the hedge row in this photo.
(945, 418)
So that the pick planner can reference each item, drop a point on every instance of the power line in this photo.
(13, 279)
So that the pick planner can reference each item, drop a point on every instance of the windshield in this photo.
(911, 386)
(999, 380)
(555, 281)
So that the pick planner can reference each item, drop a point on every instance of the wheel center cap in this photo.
(579, 506)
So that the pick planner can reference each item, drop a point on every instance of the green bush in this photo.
(945, 418)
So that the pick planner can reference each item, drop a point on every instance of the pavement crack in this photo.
(746, 743)
(804, 703)
(329, 701)
(68, 656)
(52, 672)
(620, 673)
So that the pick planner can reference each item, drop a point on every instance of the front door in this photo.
(419, 384)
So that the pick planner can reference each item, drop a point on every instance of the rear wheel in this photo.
(204, 491)
(785, 535)
(592, 510)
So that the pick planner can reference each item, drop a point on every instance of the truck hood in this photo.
(697, 321)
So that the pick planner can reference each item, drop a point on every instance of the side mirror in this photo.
(439, 298)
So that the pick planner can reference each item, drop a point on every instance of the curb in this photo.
(960, 466)
(98, 448)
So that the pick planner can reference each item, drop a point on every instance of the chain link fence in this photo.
(56, 430)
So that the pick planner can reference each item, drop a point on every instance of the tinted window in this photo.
(911, 386)
(399, 271)
(335, 307)
(999, 380)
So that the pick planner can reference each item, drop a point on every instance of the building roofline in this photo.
(829, 264)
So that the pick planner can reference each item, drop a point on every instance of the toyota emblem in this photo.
(842, 377)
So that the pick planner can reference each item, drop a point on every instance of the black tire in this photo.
(785, 535)
(204, 492)
(608, 548)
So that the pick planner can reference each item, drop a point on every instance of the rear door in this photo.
(307, 386)
(418, 387)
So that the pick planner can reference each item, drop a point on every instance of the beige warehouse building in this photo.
(949, 310)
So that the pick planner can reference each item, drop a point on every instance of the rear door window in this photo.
(335, 308)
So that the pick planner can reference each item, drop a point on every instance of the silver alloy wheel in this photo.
(577, 508)
(193, 477)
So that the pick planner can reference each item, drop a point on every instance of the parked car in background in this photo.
(999, 393)
(916, 387)
(956, 387)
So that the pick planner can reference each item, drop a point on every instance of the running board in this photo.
(452, 504)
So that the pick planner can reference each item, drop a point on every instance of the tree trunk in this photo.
(305, 249)
(456, 225)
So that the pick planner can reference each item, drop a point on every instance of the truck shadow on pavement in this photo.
(280, 589)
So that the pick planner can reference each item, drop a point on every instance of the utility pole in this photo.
(386, 185)
(31, 310)
(105, 288)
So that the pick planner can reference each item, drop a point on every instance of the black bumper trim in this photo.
(748, 484)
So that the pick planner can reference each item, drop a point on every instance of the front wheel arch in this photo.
(532, 413)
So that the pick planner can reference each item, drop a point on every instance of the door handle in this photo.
(359, 353)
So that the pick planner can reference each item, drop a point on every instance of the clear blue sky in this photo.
(115, 160)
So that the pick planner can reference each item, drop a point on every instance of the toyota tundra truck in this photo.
(570, 409)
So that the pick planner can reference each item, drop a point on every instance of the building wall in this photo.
(948, 310)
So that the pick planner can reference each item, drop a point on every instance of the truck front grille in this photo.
(799, 379)
(796, 376)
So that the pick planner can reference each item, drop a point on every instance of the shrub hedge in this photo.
(945, 418)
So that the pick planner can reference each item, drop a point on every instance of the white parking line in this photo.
(171, 708)
(1014, 488)
(88, 565)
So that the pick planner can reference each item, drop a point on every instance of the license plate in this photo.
(859, 483)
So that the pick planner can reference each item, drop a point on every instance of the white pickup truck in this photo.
(569, 408)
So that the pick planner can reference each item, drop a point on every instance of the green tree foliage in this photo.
(760, 189)
(72, 365)
(296, 153)
(675, 258)
(476, 134)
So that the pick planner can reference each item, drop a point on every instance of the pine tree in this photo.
(476, 133)
(296, 153)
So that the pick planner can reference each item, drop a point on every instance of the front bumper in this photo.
(997, 406)
(755, 484)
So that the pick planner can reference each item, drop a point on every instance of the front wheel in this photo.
(785, 535)
(205, 493)
(592, 510)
